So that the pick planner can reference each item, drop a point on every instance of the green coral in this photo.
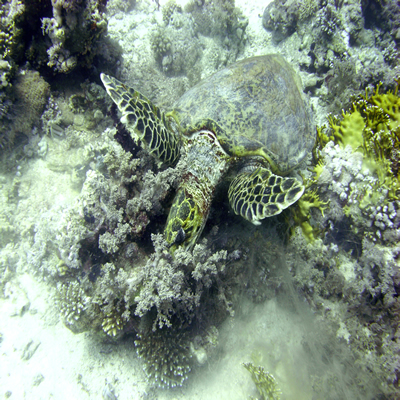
(302, 215)
(372, 127)
(264, 381)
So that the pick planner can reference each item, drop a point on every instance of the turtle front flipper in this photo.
(259, 194)
(144, 121)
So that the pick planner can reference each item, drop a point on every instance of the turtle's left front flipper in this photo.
(144, 120)
(259, 194)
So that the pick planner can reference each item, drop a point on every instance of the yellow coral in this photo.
(302, 215)
(113, 318)
(319, 167)
(112, 324)
(321, 140)
(311, 200)
(372, 127)
(349, 131)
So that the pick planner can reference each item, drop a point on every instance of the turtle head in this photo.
(206, 163)
(185, 221)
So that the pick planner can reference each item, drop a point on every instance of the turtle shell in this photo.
(256, 107)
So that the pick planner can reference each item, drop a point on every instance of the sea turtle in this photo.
(249, 122)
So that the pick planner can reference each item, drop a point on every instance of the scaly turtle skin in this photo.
(249, 119)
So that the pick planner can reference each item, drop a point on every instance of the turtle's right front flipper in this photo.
(144, 120)
(259, 194)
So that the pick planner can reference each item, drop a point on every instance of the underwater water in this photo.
(96, 304)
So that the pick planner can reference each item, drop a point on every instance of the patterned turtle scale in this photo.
(249, 120)
(258, 106)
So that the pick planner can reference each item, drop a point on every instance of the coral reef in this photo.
(372, 127)
(223, 21)
(165, 287)
(339, 41)
(107, 282)
(115, 6)
(282, 17)
(11, 33)
(31, 43)
(72, 303)
(74, 32)
(176, 43)
(113, 278)
(175, 47)
(354, 252)
(22, 105)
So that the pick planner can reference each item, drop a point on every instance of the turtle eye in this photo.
(180, 237)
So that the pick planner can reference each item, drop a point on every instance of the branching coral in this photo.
(74, 30)
(166, 285)
(302, 215)
(71, 301)
(329, 18)
(166, 355)
(113, 321)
